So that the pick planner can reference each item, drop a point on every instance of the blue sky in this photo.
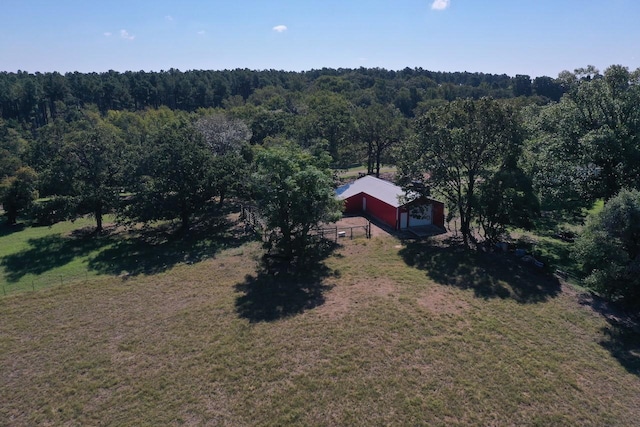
(534, 37)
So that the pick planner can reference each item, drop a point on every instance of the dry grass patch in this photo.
(385, 344)
(440, 301)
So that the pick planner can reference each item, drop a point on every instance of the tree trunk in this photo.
(184, 220)
(464, 227)
(12, 216)
(98, 215)
(287, 244)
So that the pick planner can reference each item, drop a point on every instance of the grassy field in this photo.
(355, 171)
(37, 257)
(379, 332)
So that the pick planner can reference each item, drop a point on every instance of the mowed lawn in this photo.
(382, 332)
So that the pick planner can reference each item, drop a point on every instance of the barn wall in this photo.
(437, 210)
(353, 204)
(380, 210)
(387, 213)
(438, 214)
(375, 208)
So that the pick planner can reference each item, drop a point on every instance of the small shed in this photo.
(388, 203)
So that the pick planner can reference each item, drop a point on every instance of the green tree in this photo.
(553, 158)
(591, 138)
(379, 128)
(174, 176)
(329, 117)
(18, 192)
(12, 149)
(92, 158)
(547, 87)
(294, 193)
(459, 147)
(521, 85)
(609, 247)
(506, 199)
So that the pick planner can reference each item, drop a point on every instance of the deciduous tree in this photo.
(590, 139)
(174, 176)
(609, 247)
(93, 157)
(18, 192)
(458, 148)
(294, 193)
(379, 128)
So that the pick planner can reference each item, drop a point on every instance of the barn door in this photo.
(404, 220)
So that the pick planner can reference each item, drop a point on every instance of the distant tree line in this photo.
(39, 98)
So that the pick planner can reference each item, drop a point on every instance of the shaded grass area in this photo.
(551, 240)
(49, 252)
(34, 257)
(621, 335)
(489, 275)
(279, 289)
(151, 251)
(370, 340)
(65, 253)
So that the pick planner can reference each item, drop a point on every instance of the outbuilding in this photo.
(389, 204)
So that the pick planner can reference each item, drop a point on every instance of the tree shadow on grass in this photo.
(154, 250)
(489, 275)
(621, 335)
(280, 289)
(6, 229)
(127, 253)
(49, 252)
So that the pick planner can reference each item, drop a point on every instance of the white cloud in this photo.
(125, 35)
(280, 28)
(440, 4)
(107, 34)
(169, 18)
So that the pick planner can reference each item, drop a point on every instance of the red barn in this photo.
(387, 203)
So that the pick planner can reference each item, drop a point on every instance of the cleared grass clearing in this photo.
(384, 333)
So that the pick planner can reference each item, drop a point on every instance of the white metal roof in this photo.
(375, 187)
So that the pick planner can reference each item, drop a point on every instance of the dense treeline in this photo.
(339, 107)
(40, 97)
(171, 144)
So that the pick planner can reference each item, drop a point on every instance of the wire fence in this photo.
(253, 221)
(44, 281)
(335, 233)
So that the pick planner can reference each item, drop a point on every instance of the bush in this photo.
(53, 210)
(609, 248)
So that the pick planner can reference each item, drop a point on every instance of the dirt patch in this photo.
(344, 298)
(358, 221)
(439, 301)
